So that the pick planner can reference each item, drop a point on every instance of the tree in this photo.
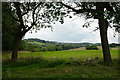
(31, 16)
(9, 26)
(22, 27)
(114, 45)
(91, 47)
(105, 12)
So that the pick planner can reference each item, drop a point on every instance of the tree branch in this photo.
(28, 28)
(27, 10)
(108, 7)
(34, 13)
(17, 6)
(78, 10)
(33, 18)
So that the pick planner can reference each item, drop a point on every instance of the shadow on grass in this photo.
(54, 67)
(50, 63)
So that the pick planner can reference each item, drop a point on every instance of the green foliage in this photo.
(91, 47)
(88, 11)
(22, 45)
(44, 49)
(59, 47)
(50, 47)
(116, 15)
(114, 45)
(31, 47)
(9, 25)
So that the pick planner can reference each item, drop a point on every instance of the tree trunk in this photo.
(103, 25)
(16, 47)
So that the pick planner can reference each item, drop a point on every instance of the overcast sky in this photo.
(72, 31)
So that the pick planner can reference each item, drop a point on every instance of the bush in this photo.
(50, 47)
(91, 47)
(114, 45)
(33, 50)
(44, 49)
(22, 45)
(58, 48)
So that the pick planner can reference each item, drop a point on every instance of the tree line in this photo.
(42, 45)
(38, 45)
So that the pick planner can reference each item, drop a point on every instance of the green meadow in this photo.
(60, 64)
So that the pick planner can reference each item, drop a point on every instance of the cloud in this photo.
(71, 31)
(111, 37)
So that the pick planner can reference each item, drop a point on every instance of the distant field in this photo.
(81, 48)
(99, 47)
(60, 64)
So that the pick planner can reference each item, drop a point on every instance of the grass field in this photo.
(60, 64)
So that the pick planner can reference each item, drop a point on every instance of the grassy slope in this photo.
(38, 43)
(60, 64)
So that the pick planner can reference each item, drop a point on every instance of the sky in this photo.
(72, 32)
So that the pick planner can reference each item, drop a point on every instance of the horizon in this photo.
(65, 42)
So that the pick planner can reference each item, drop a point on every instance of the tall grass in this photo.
(60, 64)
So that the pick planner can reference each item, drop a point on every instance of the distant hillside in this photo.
(34, 44)
(42, 42)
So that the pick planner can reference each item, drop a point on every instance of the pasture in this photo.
(60, 64)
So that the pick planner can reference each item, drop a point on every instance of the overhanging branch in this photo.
(78, 10)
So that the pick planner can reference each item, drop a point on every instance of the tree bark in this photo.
(16, 46)
(103, 25)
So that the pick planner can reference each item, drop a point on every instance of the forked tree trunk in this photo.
(103, 25)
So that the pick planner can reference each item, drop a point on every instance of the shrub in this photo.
(44, 49)
(33, 50)
(91, 47)
(114, 45)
